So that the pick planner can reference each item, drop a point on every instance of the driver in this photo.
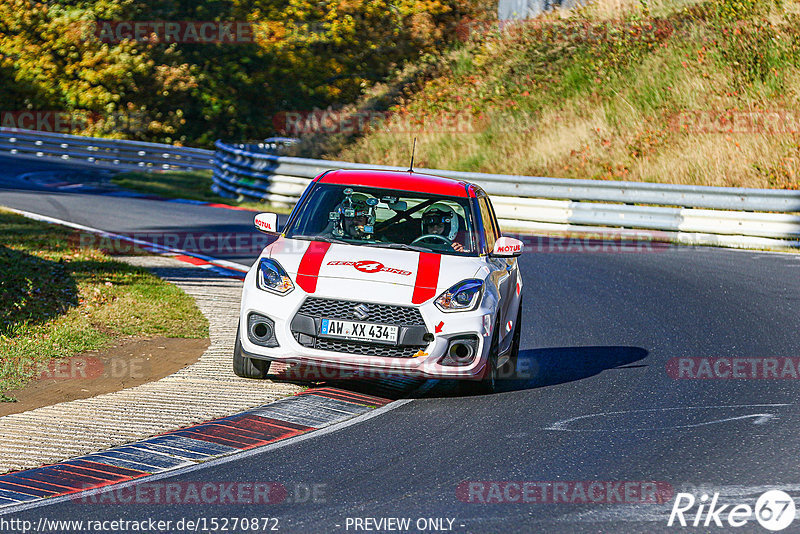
(356, 217)
(441, 219)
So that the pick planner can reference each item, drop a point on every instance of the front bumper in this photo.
(413, 357)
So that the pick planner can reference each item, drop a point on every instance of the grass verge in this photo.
(191, 185)
(58, 299)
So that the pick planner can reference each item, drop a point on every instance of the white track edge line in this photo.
(164, 249)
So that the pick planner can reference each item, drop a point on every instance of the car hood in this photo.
(323, 268)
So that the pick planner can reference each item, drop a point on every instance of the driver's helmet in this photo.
(355, 216)
(440, 213)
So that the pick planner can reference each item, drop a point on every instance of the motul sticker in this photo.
(265, 225)
(371, 266)
(267, 222)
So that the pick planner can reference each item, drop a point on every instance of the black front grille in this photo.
(306, 324)
(378, 313)
(366, 349)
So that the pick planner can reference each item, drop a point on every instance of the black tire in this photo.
(489, 382)
(509, 369)
(248, 367)
(488, 385)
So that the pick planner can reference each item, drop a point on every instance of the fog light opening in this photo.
(261, 330)
(461, 352)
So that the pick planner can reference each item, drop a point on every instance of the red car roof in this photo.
(402, 181)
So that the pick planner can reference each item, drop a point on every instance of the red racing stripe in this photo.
(308, 271)
(427, 277)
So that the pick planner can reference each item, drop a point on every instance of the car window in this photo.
(489, 224)
(379, 217)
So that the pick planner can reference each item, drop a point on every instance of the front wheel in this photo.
(489, 383)
(247, 367)
(509, 368)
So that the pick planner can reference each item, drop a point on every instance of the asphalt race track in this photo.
(594, 401)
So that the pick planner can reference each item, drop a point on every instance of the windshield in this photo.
(384, 218)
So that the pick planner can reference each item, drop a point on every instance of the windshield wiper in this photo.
(400, 246)
(322, 239)
(378, 244)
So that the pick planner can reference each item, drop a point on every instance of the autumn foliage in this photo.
(307, 55)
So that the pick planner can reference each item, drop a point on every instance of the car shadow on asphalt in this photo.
(556, 365)
(538, 368)
(535, 368)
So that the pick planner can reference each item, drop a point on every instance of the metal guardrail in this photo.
(689, 196)
(100, 152)
(693, 214)
(763, 218)
(522, 9)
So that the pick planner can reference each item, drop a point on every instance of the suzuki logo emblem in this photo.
(361, 311)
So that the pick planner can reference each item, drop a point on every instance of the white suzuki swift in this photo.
(398, 273)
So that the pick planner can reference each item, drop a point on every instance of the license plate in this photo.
(358, 331)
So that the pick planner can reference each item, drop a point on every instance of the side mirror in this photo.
(507, 247)
(267, 223)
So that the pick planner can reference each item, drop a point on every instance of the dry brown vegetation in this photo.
(675, 91)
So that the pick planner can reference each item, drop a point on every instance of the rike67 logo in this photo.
(774, 510)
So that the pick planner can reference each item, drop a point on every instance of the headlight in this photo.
(464, 296)
(272, 277)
